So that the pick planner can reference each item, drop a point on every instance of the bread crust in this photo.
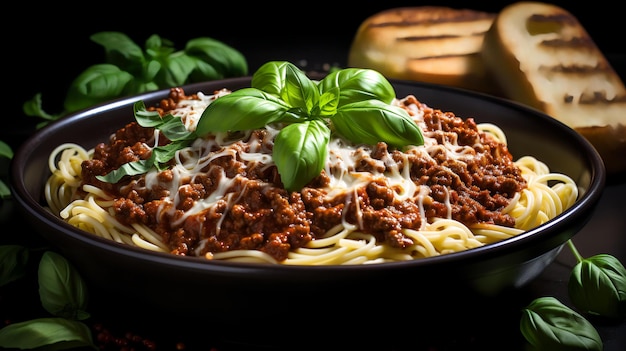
(434, 44)
(540, 55)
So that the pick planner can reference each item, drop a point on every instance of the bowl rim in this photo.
(33, 207)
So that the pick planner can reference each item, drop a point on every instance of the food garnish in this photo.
(131, 70)
(354, 103)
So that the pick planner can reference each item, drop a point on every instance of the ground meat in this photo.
(253, 215)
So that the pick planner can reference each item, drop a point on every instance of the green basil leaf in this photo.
(300, 152)
(163, 154)
(144, 117)
(597, 285)
(175, 70)
(5, 150)
(299, 91)
(120, 50)
(62, 290)
(356, 84)
(34, 108)
(244, 109)
(95, 85)
(5, 192)
(13, 260)
(547, 324)
(171, 126)
(271, 77)
(225, 59)
(327, 103)
(46, 333)
(130, 169)
(159, 48)
(204, 71)
(149, 74)
(137, 87)
(372, 121)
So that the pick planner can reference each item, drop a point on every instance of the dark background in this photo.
(47, 46)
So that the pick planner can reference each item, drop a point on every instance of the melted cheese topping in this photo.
(438, 192)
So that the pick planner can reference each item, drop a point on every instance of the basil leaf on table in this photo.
(47, 334)
(96, 84)
(224, 61)
(597, 285)
(119, 49)
(62, 290)
(130, 70)
(547, 324)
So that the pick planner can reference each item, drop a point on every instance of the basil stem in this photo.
(597, 285)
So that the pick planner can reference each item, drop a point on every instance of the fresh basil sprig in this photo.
(597, 285)
(170, 126)
(63, 294)
(353, 103)
(547, 324)
(131, 70)
(6, 154)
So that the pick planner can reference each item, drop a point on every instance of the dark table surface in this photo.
(497, 325)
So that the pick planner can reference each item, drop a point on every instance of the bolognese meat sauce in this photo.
(257, 213)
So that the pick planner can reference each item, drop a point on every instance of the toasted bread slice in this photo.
(542, 56)
(425, 43)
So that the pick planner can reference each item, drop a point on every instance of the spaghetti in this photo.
(221, 198)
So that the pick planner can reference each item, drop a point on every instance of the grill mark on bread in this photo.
(434, 44)
(577, 43)
(601, 67)
(438, 37)
(424, 58)
(458, 16)
(594, 98)
(581, 71)
(556, 18)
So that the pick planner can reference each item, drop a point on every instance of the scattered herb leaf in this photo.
(62, 291)
(129, 70)
(6, 154)
(52, 333)
(597, 285)
(547, 324)
(13, 259)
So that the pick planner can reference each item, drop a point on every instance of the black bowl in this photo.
(234, 293)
